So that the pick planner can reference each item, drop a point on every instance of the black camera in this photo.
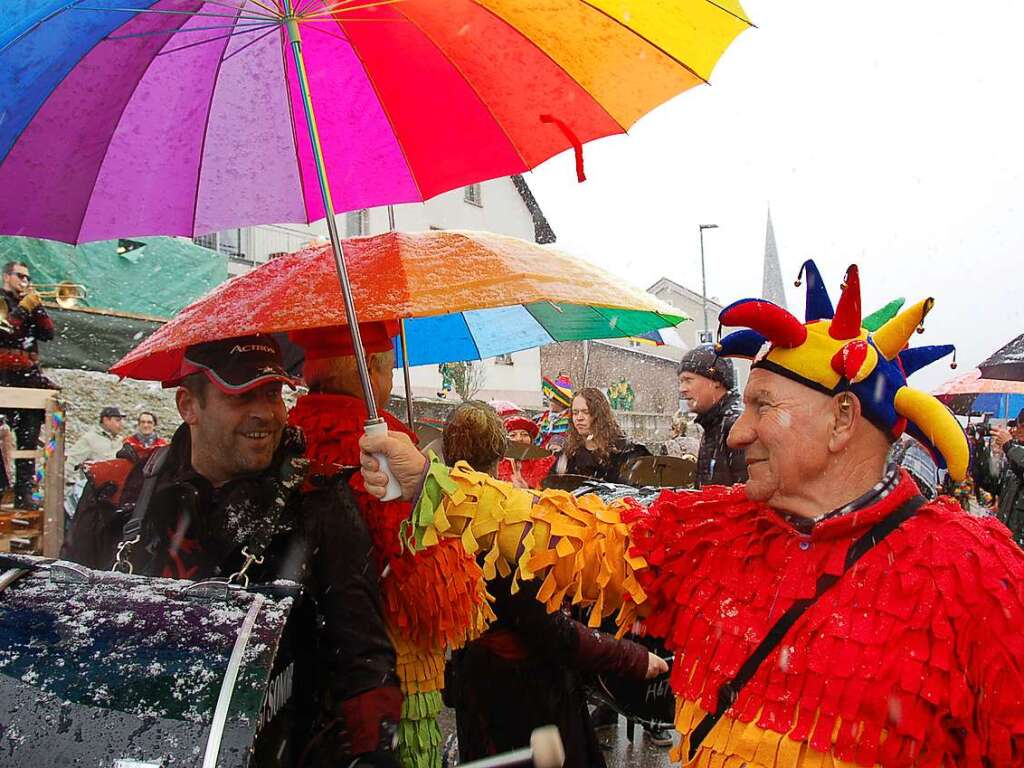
(982, 429)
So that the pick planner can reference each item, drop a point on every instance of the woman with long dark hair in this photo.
(596, 446)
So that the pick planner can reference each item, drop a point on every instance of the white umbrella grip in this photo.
(394, 490)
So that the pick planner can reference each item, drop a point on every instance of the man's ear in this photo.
(846, 413)
(188, 405)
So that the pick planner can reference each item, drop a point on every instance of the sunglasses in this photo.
(21, 276)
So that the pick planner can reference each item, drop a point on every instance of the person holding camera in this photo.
(1003, 474)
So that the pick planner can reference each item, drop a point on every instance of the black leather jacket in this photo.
(718, 464)
(194, 531)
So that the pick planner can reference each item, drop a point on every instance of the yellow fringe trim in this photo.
(579, 546)
(735, 744)
(420, 670)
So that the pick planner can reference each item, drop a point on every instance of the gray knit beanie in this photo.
(703, 361)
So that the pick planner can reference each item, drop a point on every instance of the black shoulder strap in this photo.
(730, 690)
(150, 476)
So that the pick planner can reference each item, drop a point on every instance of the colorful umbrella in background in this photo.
(463, 296)
(1007, 363)
(505, 407)
(226, 113)
(972, 394)
(660, 338)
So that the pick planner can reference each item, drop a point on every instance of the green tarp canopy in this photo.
(155, 276)
(131, 285)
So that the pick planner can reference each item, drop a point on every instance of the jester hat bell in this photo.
(837, 350)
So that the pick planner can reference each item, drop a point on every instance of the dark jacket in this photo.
(1008, 485)
(718, 464)
(527, 671)
(195, 531)
(585, 462)
(19, 348)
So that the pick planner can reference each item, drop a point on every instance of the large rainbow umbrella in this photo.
(180, 117)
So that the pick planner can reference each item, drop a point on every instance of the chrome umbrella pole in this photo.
(295, 40)
(405, 373)
(410, 416)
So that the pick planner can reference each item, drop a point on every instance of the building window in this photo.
(357, 223)
(228, 242)
(503, 360)
(474, 196)
(207, 241)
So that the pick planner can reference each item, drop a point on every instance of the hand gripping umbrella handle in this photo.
(394, 490)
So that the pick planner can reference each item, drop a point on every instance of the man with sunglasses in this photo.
(23, 325)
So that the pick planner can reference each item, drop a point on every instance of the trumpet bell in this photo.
(66, 295)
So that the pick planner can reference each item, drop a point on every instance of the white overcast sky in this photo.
(887, 134)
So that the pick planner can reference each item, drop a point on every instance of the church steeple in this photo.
(772, 287)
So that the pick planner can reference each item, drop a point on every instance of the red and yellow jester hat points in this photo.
(832, 352)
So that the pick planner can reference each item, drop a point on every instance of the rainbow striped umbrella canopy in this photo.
(180, 117)
(465, 295)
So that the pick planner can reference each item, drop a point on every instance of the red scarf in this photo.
(533, 470)
(333, 425)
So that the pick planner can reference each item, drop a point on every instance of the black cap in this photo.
(111, 411)
(237, 365)
(704, 361)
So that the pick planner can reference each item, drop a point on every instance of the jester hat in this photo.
(559, 390)
(836, 350)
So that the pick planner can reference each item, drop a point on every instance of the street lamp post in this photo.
(703, 276)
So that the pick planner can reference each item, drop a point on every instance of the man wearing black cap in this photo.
(98, 443)
(227, 496)
(707, 383)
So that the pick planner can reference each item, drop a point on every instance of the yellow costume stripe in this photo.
(735, 744)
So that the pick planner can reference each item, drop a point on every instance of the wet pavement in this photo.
(620, 752)
(640, 753)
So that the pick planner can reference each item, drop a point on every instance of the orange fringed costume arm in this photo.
(579, 546)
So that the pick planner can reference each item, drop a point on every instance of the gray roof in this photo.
(543, 233)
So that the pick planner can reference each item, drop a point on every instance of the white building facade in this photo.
(693, 304)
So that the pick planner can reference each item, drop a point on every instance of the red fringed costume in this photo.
(533, 470)
(915, 658)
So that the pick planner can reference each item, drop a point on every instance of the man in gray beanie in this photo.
(708, 383)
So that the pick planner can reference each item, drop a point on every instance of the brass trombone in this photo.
(66, 295)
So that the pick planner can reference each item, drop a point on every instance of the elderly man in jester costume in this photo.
(823, 614)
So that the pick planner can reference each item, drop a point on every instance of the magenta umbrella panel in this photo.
(180, 117)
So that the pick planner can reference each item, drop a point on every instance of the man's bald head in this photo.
(340, 375)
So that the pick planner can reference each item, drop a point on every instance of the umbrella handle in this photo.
(394, 490)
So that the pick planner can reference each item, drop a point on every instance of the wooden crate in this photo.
(51, 521)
